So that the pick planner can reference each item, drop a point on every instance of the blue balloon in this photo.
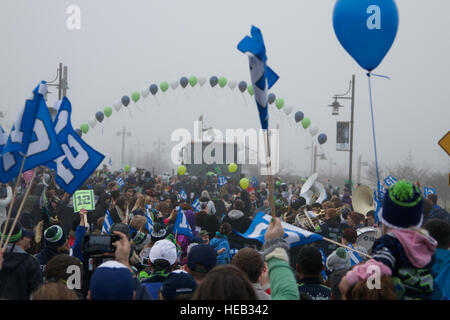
(99, 116)
(322, 138)
(79, 132)
(153, 89)
(125, 100)
(184, 82)
(271, 98)
(213, 81)
(366, 29)
(242, 86)
(299, 116)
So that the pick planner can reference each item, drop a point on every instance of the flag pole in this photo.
(11, 204)
(20, 209)
(269, 176)
(347, 247)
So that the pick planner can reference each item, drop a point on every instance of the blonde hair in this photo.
(138, 223)
(140, 203)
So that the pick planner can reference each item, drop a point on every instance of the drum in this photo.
(366, 237)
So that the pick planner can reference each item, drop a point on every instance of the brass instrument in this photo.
(362, 199)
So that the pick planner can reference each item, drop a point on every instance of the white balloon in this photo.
(201, 81)
(287, 110)
(92, 122)
(313, 131)
(133, 170)
(117, 105)
(174, 84)
(232, 84)
(145, 92)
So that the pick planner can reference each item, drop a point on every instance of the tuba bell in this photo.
(313, 191)
(363, 200)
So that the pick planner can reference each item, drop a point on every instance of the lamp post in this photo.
(124, 134)
(336, 105)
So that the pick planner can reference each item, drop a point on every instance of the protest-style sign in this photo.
(83, 199)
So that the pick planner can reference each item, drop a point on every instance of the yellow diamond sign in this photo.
(445, 143)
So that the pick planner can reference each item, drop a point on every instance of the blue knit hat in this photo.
(402, 206)
(112, 281)
(54, 236)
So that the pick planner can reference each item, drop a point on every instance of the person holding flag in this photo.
(31, 143)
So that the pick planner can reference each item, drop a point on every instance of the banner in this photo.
(343, 136)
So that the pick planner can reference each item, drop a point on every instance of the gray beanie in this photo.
(339, 259)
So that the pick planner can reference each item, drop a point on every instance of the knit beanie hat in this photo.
(141, 239)
(158, 232)
(402, 206)
(339, 259)
(112, 281)
(54, 236)
(16, 235)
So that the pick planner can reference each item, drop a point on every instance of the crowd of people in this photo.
(50, 243)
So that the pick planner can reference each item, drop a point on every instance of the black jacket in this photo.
(239, 223)
(20, 275)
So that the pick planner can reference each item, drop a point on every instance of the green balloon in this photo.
(84, 128)
(306, 122)
(135, 96)
(181, 170)
(222, 82)
(244, 183)
(250, 90)
(107, 111)
(232, 167)
(193, 81)
(279, 103)
(127, 167)
(164, 86)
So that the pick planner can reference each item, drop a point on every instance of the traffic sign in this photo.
(445, 143)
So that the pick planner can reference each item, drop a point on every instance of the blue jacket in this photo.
(219, 242)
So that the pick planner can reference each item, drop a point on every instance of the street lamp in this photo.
(336, 105)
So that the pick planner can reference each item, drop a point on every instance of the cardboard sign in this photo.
(83, 199)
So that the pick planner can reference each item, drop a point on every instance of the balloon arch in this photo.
(183, 82)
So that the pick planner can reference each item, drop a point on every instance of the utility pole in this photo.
(123, 133)
(62, 85)
(159, 143)
(139, 145)
(360, 164)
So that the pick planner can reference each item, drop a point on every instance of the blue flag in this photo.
(254, 182)
(263, 78)
(355, 258)
(39, 147)
(107, 223)
(79, 160)
(148, 215)
(182, 225)
(222, 181)
(390, 181)
(427, 191)
(196, 205)
(183, 195)
(295, 236)
(324, 263)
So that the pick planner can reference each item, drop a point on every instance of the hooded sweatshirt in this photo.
(409, 255)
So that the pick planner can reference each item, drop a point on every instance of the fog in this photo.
(124, 46)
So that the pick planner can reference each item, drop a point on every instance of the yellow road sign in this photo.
(445, 143)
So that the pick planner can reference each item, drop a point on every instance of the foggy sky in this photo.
(124, 46)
